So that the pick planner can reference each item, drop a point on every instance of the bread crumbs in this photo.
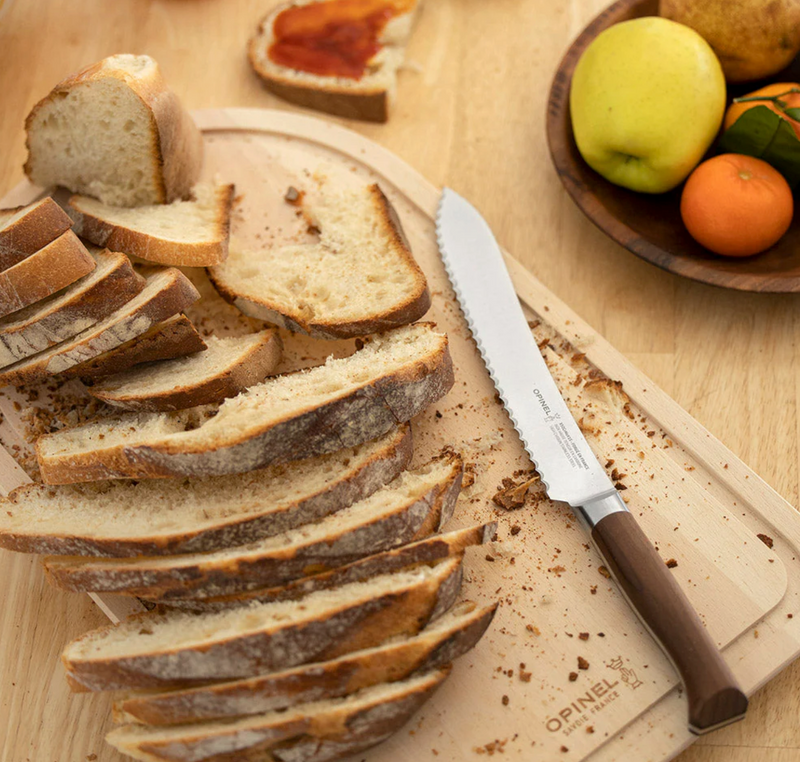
(511, 495)
(491, 748)
(468, 479)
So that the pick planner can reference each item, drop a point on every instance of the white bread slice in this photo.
(177, 649)
(184, 515)
(359, 278)
(340, 404)
(429, 551)
(368, 97)
(251, 737)
(111, 284)
(115, 131)
(175, 337)
(165, 293)
(229, 366)
(57, 265)
(26, 229)
(184, 233)
(410, 507)
(442, 641)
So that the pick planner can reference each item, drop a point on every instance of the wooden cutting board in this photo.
(521, 693)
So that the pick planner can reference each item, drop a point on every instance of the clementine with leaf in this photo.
(736, 205)
(778, 97)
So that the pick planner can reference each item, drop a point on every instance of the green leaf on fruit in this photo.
(760, 132)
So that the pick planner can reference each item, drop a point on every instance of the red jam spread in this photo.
(336, 38)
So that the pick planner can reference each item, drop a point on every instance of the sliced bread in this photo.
(339, 404)
(180, 649)
(26, 229)
(412, 506)
(358, 278)
(429, 551)
(229, 366)
(95, 296)
(298, 62)
(165, 293)
(185, 515)
(365, 730)
(392, 703)
(57, 265)
(175, 337)
(115, 131)
(184, 233)
(442, 641)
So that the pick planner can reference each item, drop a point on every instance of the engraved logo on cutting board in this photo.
(584, 707)
(626, 674)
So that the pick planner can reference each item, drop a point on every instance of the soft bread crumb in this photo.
(99, 132)
(360, 269)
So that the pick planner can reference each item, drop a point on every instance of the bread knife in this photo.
(568, 468)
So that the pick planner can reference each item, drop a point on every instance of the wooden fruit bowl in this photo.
(651, 226)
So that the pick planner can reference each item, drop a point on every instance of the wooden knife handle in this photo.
(714, 696)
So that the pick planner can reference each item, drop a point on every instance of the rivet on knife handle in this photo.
(713, 695)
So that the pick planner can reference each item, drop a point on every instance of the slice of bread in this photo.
(26, 229)
(339, 404)
(115, 131)
(184, 233)
(250, 738)
(175, 337)
(179, 649)
(186, 515)
(412, 506)
(429, 551)
(363, 731)
(90, 299)
(442, 641)
(358, 278)
(57, 265)
(368, 96)
(229, 366)
(165, 293)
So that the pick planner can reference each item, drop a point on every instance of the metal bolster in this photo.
(594, 511)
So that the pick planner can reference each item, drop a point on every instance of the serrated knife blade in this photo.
(560, 452)
(568, 467)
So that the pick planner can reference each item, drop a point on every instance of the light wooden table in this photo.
(471, 115)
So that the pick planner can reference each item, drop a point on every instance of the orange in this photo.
(736, 205)
(792, 101)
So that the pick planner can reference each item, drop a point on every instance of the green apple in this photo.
(647, 100)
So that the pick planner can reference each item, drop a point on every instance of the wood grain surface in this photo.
(471, 116)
